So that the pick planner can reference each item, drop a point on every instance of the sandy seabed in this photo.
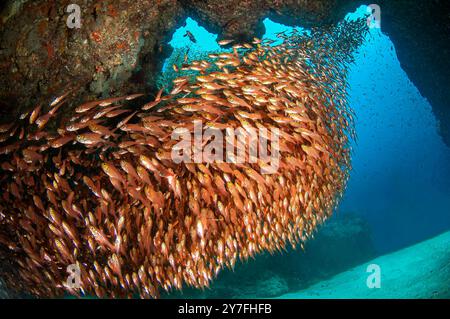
(419, 271)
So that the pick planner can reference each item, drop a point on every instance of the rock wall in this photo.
(119, 47)
(420, 31)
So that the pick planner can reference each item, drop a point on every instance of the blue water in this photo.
(400, 182)
(401, 177)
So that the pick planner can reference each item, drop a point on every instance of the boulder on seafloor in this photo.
(341, 243)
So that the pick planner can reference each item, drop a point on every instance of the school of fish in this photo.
(96, 187)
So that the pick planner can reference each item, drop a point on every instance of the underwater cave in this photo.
(390, 202)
